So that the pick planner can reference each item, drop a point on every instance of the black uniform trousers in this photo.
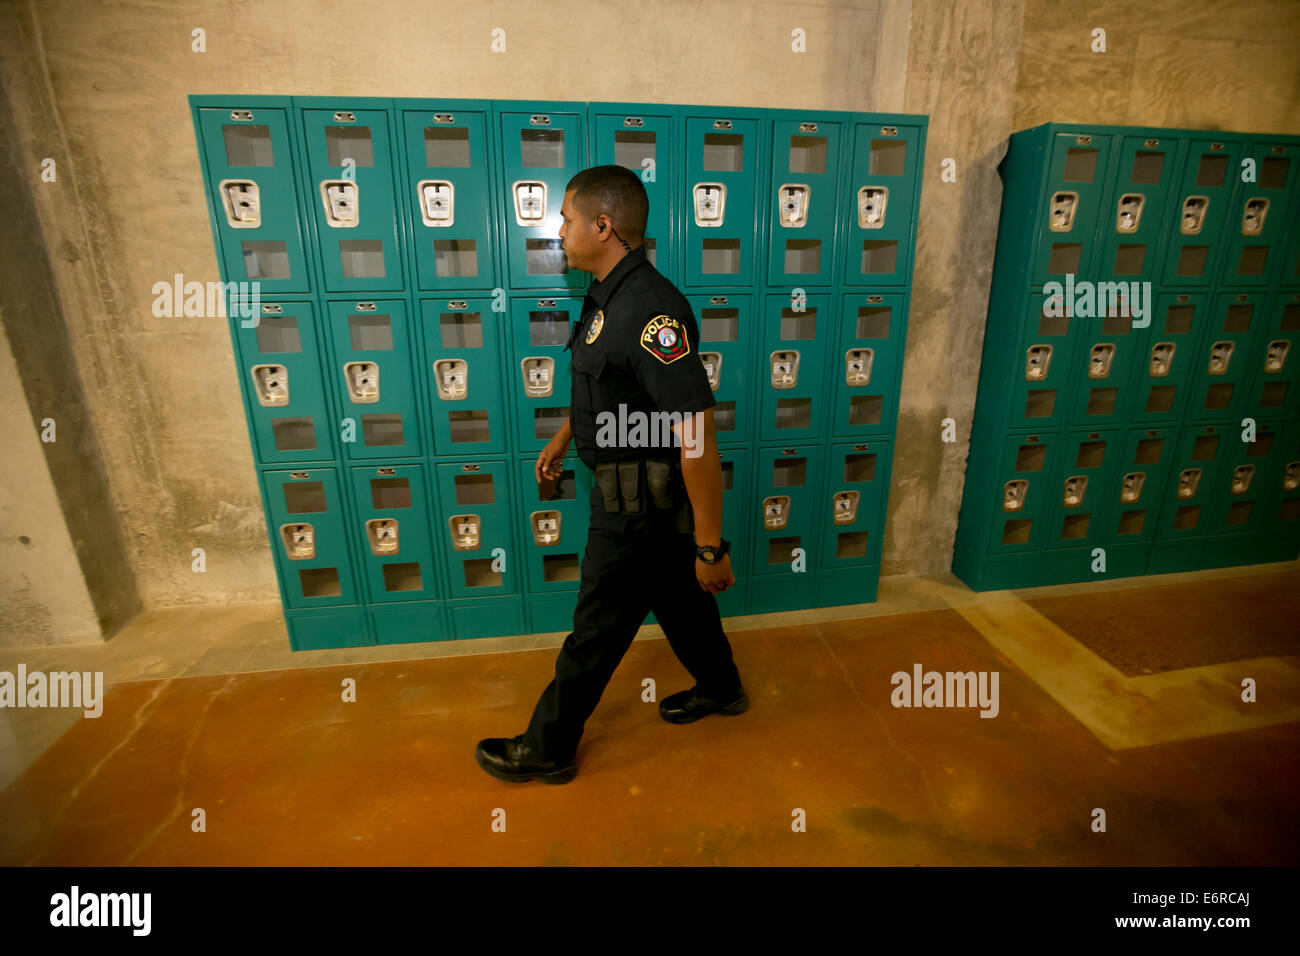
(633, 564)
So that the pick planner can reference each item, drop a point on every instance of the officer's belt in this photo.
(629, 487)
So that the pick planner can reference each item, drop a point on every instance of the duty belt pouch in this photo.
(607, 481)
(656, 479)
(629, 483)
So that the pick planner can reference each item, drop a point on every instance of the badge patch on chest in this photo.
(665, 339)
(597, 321)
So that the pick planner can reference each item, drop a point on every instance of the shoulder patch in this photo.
(665, 339)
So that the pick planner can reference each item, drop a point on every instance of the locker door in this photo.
(867, 364)
(1027, 479)
(473, 528)
(1223, 369)
(853, 498)
(720, 200)
(1081, 501)
(645, 140)
(449, 187)
(1203, 454)
(305, 519)
(793, 369)
(1197, 219)
(878, 205)
(1256, 226)
(1049, 347)
(1135, 489)
(540, 367)
(350, 166)
(552, 522)
(1273, 386)
(1242, 492)
(253, 196)
(801, 201)
(1168, 356)
(1133, 221)
(280, 359)
(786, 514)
(541, 149)
(391, 530)
(1104, 379)
(729, 334)
(374, 370)
(463, 369)
(1070, 207)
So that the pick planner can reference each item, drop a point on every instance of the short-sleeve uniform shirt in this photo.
(637, 345)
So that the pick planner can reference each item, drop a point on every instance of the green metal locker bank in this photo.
(403, 362)
(1137, 409)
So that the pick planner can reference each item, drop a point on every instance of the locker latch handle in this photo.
(1188, 481)
(1241, 478)
(1013, 494)
(242, 202)
(1252, 217)
(1100, 359)
(785, 368)
(452, 378)
(546, 528)
(1062, 212)
(712, 362)
(844, 507)
(793, 203)
(299, 541)
(363, 382)
(1275, 358)
(1038, 362)
(342, 201)
(1128, 215)
(857, 366)
(465, 532)
(539, 375)
(776, 512)
(1075, 487)
(437, 202)
(872, 203)
(530, 202)
(1131, 487)
(710, 204)
(271, 384)
(1220, 358)
(1162, 359)
(1194, 210)
(382, 535)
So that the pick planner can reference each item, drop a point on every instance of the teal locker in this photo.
(280, 358)
(305, 519)
(1273, 386)
(880, 200)
(796, 340)
(391, 533)
(1028, 476)
(646, 139)
(472, 529)
(719, 208)
(1281, 501)
(1239, 499)
(1070, 212)
(1169, 350)
(1105, 378)
(737, 527)
(803, 199)
(1203, 455)
(852, 512)
(373, 358)
(1138, 198)
(1135, 489)
(728, 338)
(1196, 226)
(1050, 346)
(1219, 390)
(551, 522)
(1080, 499)
(252, 197)
(539, 370)
(448, 186)
(1256, 227)
(787, 514)
(866, 365)
(351, 195)
(542, 147)
(1290, 265)
(464, 343)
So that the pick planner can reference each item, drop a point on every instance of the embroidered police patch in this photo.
(597, 321)
(665, 339)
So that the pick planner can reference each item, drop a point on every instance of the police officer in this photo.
(635, 353)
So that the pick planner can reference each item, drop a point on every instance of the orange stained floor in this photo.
(287, 773)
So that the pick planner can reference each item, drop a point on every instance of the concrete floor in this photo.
(207, 710)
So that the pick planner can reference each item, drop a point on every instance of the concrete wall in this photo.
(102, 90)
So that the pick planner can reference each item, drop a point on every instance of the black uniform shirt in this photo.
(637, 345)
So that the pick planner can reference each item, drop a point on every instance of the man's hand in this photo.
(550, 461)
(715, 577)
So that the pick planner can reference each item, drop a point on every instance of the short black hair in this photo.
(614, 191)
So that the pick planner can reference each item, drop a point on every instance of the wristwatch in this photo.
(712, 553)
